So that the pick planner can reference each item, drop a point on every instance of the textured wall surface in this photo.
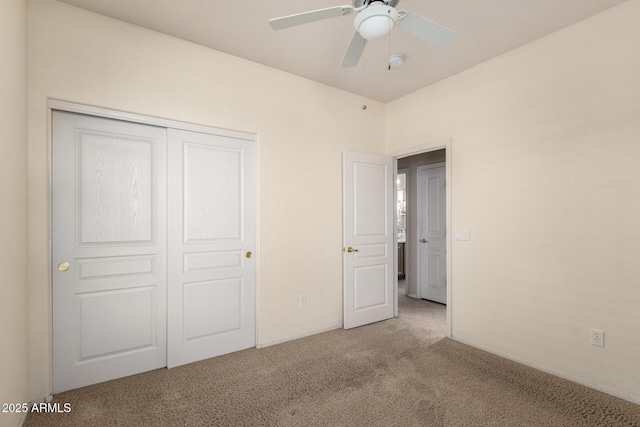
(545, 155)
(545, 168)
(13, 214)
(302, 129)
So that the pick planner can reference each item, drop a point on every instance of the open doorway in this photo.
(422, 271)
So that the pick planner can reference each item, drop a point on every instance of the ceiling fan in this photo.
(375, 19)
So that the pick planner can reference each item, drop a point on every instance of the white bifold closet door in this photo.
(119, 203)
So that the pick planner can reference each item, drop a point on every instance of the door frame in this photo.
(60, 105)
(447, 145)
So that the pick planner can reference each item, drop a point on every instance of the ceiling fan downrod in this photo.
(364, 3)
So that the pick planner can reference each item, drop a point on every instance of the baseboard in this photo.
(318, 331)
(533, 365)
(412, 296)
(23, 419)
(24, 415)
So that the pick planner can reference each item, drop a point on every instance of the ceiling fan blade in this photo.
(426, 29)
(306, 17)
(354, 51)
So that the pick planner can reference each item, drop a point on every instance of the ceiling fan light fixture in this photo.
(376, 21)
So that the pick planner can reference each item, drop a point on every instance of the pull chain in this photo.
(389, 44)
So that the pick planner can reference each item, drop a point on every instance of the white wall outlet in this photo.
(303, 301)
(464, 235)
(597, 337)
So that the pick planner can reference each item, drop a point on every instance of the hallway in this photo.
(422, 313)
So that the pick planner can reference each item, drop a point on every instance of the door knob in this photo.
(249, 254)
(350, 249)
(63, 266)
(424, 241)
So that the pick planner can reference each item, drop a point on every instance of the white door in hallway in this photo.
(432, 251)
(211, 245)
(368, 250)
(109, 249)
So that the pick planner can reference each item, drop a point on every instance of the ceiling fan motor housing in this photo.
(360, 3)
(376, 21)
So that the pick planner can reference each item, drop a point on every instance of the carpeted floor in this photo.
(400, 372)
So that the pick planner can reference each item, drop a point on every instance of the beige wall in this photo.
(411, 163)
(546, 175)
(13, 224)
(546, 148)
(302, 128)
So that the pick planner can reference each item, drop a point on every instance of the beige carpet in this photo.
(400, 372)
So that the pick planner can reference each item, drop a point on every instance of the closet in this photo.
(153, 235)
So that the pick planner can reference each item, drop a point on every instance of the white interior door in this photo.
(109, 249)
(432, 251)
(368, 238)
(211, 240)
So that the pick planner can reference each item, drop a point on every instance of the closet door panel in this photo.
(109, 249)
(211, 241)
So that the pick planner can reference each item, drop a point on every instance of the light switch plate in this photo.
(464, 235)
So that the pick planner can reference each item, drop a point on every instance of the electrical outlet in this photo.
(303, 301)
(597, 337)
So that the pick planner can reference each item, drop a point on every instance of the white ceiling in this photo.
(486, 28)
